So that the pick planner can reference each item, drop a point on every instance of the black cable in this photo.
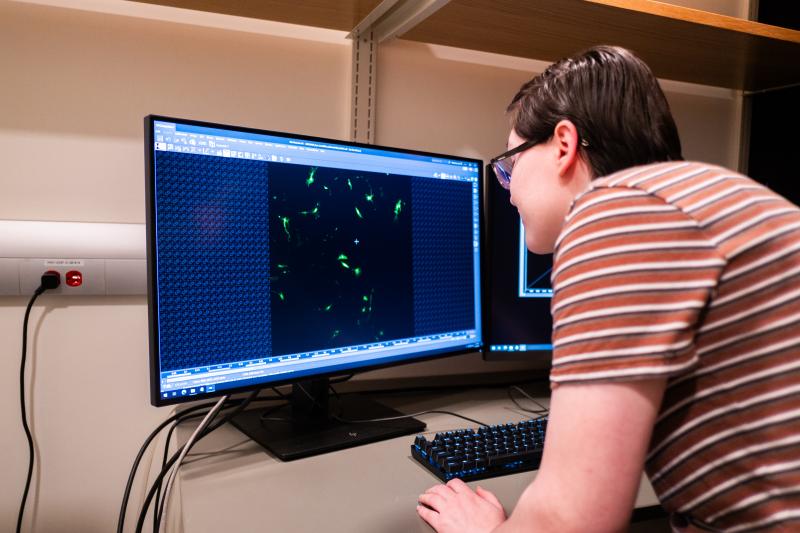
(50, 280)
(543, 410)
(442, 388)
(165, 456)
(342, 379)
(158, 507)
(160, 478)
(390, 418)
(186, 413)
(156, 487)
(145, 445)
(338, 418)
(160, 503)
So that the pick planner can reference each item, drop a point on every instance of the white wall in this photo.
(75, 87)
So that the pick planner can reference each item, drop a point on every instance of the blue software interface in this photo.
(278, 257)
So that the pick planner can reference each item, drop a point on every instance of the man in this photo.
(675, 311)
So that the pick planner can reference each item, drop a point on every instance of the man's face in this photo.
(539, 193)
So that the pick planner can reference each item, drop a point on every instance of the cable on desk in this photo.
(342, 379)
(186, 447)
(183, 417)
(176, 418)
(542, 411)
(441, 388)
(138, 459)
(159, 479)
(390, 418)
(338, 418)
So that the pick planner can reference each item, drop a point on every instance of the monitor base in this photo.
(291, 437)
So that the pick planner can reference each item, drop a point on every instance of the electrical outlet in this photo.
(92, 258)
(79, 277)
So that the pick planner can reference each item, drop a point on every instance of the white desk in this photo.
(373, 488)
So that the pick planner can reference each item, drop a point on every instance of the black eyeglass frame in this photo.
(503, 176)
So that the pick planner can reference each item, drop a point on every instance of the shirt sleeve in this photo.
(632, 275)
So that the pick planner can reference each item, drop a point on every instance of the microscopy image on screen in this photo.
(340, 257)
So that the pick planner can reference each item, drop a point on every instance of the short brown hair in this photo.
(615, 102)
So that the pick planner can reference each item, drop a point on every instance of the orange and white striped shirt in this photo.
(692, 272)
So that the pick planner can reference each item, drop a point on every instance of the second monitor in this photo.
(517, 290)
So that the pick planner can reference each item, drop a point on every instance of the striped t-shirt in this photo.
(692, 272)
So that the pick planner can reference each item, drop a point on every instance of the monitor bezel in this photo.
(152, 302)
(487, 246)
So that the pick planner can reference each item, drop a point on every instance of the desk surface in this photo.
(229, 483)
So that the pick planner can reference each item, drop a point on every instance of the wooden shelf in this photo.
(678, 43)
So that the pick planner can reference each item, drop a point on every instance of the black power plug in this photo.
(50, 280)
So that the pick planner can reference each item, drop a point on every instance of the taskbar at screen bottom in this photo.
(205, 380)
(520, 347)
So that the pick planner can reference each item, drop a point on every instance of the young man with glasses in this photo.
(676, 307)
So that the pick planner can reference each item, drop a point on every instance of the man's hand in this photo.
(456, 508)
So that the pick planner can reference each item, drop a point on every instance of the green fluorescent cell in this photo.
(358, 213)
(365, 298)
(336, 333)
(310, 179)
(328, 307)
(285, 221)
(341, 257)
(357, 271)
(345, 265)
(282, 296)
(349, 184)
(314, 211)
(398, 207)
(370, 196)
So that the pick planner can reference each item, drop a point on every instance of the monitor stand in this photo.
(306, 426)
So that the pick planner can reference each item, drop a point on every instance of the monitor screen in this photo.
(274, 257)
(517, 287)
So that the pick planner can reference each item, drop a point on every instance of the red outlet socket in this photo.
(73, 278)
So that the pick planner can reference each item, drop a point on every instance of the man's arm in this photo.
(597, 438)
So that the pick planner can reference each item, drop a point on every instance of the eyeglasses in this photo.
(503, 164)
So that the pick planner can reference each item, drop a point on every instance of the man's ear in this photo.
(565, 137)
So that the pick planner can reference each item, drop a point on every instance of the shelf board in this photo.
(677, 42)
(332, 14)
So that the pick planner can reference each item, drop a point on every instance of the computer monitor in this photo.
(517, 290)
(277, 258)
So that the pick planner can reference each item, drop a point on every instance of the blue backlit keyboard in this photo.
(487, 452)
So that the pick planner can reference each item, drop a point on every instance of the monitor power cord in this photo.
(50, 280)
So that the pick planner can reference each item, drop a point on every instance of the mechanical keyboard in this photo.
(488, 452)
